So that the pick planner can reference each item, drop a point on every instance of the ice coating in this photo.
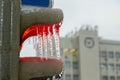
(46, 40)
(48, 36)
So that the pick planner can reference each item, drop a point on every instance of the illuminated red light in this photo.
(38, 29)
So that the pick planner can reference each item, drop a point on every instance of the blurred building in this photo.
(89, 57)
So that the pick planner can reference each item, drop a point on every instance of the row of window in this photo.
(69, 77)
(110, 78)
(110, 54)
(73, 65)
(110, 67)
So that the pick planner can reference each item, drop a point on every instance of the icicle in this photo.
(43, 43)
(40, 40)
(34, 42)
(40, 46)
(45, 39)
(56, 37)
(50, 38)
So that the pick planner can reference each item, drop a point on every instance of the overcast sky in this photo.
(104, 13)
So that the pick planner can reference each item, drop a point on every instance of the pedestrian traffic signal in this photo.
(44, 24)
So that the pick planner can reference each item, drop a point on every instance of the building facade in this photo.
(88, 57)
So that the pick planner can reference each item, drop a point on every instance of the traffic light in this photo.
(16, 26)
(43, 23)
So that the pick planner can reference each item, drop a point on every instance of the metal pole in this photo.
(1, 10)
(5, 48)
(9, 38)
(15, 39)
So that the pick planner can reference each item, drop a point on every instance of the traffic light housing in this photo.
(43, 16)
(29, 21)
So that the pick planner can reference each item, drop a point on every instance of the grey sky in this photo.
(104, 13)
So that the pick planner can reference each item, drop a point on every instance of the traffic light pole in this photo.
(15, 39)
(9, 49)
(5, 47)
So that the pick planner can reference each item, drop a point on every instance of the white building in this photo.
(88, 57)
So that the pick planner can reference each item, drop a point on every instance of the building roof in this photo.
(109, 42)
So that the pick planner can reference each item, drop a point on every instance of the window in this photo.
(118, 55)
(76, 77)
(104, 77)
(111, 67)
(103, 67)
(75, 65)
(67, 64)
(68, 77)
(112, 78)
(103, 54)
(110, 54)
(118, 78)
(118, 67)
